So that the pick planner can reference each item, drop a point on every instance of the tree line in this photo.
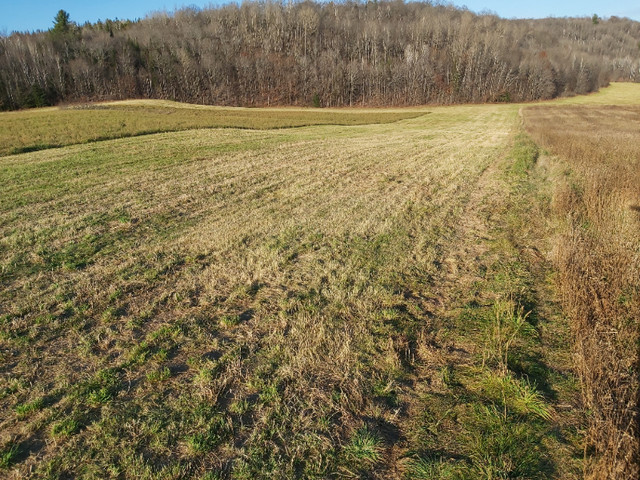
(319, 54)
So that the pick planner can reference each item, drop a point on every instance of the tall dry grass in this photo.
(597, 200)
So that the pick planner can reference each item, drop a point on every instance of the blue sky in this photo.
(556, 8)
(30, 15)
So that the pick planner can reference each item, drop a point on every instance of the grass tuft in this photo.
(517, 395)
(9, 454)
(65, 428)
(159, 375)
(501, 448)
(26, 409)
(508, 324)
(363, 451)
(101, 388)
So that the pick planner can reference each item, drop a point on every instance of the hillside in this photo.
(318, 54)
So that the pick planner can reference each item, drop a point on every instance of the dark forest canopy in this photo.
(322, 54)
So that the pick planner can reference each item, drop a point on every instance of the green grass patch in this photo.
(24, 410)
(159, 375)
(524, 155)
(101, 388)
(9, 455)
(65, 428)
(364, 450)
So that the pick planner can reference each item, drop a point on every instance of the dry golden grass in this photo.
(597, 200)
(617, 93)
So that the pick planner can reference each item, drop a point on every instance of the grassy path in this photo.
(317, 302)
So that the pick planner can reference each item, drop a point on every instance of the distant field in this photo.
(44, 128)
(617, 93)
(38, 129)
(368, 300)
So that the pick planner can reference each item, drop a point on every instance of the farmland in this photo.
(44, 128)
(291, 293)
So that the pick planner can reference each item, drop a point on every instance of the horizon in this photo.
(37, 15)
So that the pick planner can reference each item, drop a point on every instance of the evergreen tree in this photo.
(61, 23)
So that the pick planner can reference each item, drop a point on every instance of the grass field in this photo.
(371, 300)
(40, 129)
(616, 93)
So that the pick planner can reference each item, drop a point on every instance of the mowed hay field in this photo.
(328, 301)
(43, 128)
